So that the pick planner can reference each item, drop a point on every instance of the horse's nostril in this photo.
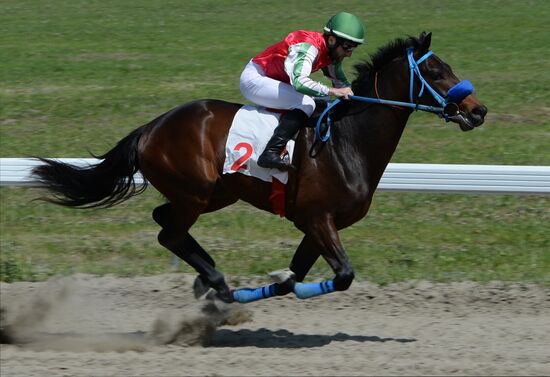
(480, 111)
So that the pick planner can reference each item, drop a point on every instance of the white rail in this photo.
(510, 179)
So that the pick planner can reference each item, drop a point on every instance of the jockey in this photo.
(278, 77)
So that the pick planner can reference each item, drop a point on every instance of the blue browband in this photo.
(455, 95)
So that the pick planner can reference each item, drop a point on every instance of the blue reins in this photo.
(456, 94)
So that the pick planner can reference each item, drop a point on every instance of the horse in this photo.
(181, 153)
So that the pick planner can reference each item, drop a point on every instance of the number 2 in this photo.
(241, 161)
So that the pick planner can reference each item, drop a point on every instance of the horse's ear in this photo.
(425, 41)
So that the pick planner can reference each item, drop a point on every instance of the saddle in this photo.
(251, 129)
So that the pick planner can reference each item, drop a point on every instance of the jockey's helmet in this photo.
(347, 26)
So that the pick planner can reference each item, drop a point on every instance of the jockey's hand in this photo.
(341, 92)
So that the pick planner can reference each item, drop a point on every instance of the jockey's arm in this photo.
(335, 72)
(298, 67)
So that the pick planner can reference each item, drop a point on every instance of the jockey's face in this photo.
(340, 49)
(348, 47)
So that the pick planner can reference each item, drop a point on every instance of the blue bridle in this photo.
(455, 95)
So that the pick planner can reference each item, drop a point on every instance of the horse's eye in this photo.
(436, 75)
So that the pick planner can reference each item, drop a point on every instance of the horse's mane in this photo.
(385, 54)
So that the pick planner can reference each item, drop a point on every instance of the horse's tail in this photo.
(101, 185)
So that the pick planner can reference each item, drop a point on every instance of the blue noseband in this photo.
(460, 91)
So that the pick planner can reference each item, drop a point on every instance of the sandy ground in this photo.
(153, 326)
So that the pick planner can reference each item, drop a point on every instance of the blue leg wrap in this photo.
(307, 290)
(245, 295)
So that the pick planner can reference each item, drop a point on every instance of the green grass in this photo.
(405, 236)
(79, 75)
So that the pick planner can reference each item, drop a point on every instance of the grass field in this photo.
(77, 76)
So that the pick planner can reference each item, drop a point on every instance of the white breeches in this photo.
(267, 92)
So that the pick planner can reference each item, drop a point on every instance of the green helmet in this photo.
(346, 25)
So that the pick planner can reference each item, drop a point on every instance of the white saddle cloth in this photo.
(250, 131)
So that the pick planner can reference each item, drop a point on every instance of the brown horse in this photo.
(182, 152)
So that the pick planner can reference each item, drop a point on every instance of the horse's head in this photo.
(406, 72)
(461, 106)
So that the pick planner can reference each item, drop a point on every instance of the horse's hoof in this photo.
(226, 297)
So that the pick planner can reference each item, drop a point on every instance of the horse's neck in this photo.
(367, 137)
(374, 131)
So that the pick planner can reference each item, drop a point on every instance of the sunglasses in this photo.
(348, 47)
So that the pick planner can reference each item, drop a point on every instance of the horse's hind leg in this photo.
(174, 235)
(162, 215)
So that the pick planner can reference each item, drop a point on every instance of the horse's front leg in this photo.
(321, 239)
(323, 234)
(304, 258)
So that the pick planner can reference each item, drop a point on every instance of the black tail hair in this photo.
(100, 185)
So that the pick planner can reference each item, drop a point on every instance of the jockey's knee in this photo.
(307, 106)
(343, 280)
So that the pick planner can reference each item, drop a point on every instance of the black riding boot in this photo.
(289, 124)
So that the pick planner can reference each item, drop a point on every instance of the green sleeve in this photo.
(340, 75)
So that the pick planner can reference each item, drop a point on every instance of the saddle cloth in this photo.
(250, 131)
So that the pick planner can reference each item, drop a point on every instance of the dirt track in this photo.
(90, 326)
